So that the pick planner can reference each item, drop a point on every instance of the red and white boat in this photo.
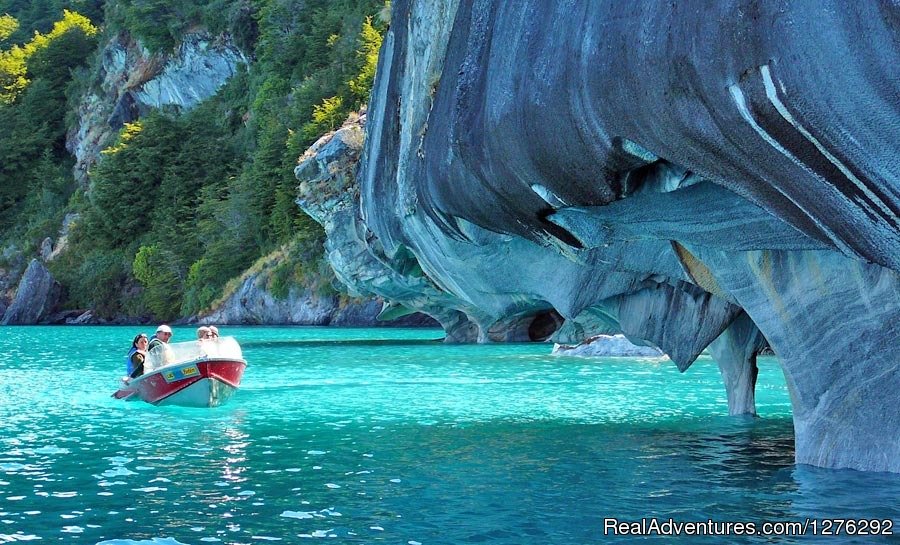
(192, 374)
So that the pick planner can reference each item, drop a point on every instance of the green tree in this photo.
(369, 45)
(72, 31)
(154, 268)
(8, 26)
(39, 16)
(13, 72)
(32, 114)
(326, 116)
(49, 190)
(127, 179)
(161, 23)
(95, 278)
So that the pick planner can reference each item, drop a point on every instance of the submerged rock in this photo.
(607, 346)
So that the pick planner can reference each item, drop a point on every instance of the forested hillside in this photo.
(182, 201)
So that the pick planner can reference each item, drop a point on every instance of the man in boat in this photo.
(158, 349)
(162, 336)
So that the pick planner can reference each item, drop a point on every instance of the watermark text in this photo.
(709, 527)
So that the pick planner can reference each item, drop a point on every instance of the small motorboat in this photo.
(203, 373)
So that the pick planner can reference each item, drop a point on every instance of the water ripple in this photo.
(333, 436)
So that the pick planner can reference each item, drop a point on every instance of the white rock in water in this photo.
(608, 346)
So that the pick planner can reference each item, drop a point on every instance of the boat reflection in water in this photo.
(203, 373)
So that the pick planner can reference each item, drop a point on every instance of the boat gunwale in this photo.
(203, 359)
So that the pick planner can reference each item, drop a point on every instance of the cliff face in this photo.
(36, 296)
(329, 193)
(131, 82)
(253, 304)
(688, 176)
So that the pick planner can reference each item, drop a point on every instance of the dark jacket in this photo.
(137, 363)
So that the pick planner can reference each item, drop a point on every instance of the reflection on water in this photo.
(404, 441)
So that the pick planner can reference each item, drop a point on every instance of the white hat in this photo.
(164, 329)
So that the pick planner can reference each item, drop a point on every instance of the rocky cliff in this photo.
(329, 193)
(253, 303)
(689, 175)
(130, 82)
(36, 296)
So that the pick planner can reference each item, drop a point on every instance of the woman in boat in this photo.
(203, 335)
(137, 355)
(207, 340)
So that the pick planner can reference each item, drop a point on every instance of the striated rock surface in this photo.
(677, 173)
(36, 297)
(329, 193)
(735, 351)
(131, 82)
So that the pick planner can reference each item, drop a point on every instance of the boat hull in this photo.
(201, 383)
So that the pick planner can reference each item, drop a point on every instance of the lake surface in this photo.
(386, 436)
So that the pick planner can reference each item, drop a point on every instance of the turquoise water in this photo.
(385, 436)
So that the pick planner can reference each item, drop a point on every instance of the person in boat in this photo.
(137, 356)
(206, 338)
(215, 332)
(158, 348)
(162, 336)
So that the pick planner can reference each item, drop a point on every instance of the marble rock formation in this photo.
(329, 193)
(717, 175)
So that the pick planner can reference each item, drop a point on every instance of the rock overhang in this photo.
(686, 176)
